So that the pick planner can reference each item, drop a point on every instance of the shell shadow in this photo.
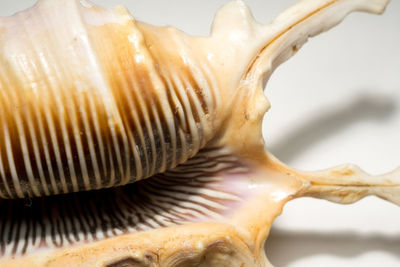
(284, 247)
(366, 107)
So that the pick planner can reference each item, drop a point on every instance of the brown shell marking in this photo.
(93, 106)
(88, 111)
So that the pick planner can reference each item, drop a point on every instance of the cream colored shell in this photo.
(90, 98)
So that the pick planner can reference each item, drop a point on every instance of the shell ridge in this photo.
(107, 102)
(164, 114)
(163, 201)
(115, 124)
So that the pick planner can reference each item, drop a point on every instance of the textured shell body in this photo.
(91, 99)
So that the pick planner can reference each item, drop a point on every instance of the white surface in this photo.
(336, 101)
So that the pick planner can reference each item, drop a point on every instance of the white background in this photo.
(336, 101)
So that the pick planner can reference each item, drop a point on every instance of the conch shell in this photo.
(127, 144)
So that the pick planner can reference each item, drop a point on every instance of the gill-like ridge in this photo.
(191, 192)
(60, 119)
(87, 107)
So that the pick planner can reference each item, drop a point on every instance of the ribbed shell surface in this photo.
(88, 100)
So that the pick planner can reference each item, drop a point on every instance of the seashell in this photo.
(127, 144)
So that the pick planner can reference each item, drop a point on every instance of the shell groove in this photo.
(165, 200)
(91, 99)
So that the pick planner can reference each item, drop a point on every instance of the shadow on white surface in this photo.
(328, 244)
(328, 122)
(285, 247)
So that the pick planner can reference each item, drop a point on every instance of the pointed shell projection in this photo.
(127, 144)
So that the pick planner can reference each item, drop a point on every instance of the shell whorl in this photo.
(91, 99)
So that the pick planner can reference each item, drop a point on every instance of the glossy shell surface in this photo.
(213, 191)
